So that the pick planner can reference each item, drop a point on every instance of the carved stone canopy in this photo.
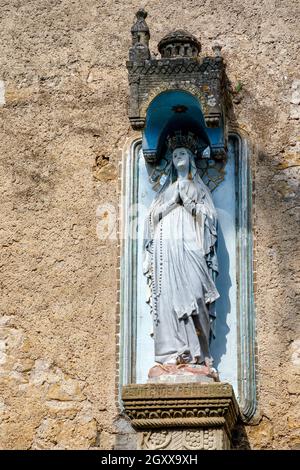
(180, 73)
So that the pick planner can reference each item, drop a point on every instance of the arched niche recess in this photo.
(231, 185)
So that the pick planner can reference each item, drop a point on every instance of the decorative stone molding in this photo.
(188, 439)
(182, 415)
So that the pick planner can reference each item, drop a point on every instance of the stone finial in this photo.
(140, 38)
(141, 15)
(140, 30)
(217, 49)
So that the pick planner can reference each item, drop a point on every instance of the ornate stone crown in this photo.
(179, 43)
(188, 140)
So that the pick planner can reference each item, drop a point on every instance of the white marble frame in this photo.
(244, 261)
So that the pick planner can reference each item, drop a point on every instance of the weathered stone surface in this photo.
(262, 435)
(106, 173)
(63, 98)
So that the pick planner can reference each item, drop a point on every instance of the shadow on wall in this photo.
(239, 438)
(276, 272)
(223, 303)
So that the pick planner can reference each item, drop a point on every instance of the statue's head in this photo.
(181, 158)
(184, 162)
(183, 146)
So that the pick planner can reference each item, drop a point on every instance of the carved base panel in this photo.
(184, 439)
(194, 416)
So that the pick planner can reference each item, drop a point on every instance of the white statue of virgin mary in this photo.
(180, 261)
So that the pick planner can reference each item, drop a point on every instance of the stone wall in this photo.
(63, 124)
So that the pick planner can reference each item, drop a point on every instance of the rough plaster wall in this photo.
(63, 97)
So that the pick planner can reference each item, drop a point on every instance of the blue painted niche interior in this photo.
(176, 110)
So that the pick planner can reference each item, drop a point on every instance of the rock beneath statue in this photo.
(182, 373)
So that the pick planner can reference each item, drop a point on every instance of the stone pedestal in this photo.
(194, 416)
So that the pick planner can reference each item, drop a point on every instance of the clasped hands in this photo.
(180, 195)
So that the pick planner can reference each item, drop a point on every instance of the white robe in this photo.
(180, 252)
